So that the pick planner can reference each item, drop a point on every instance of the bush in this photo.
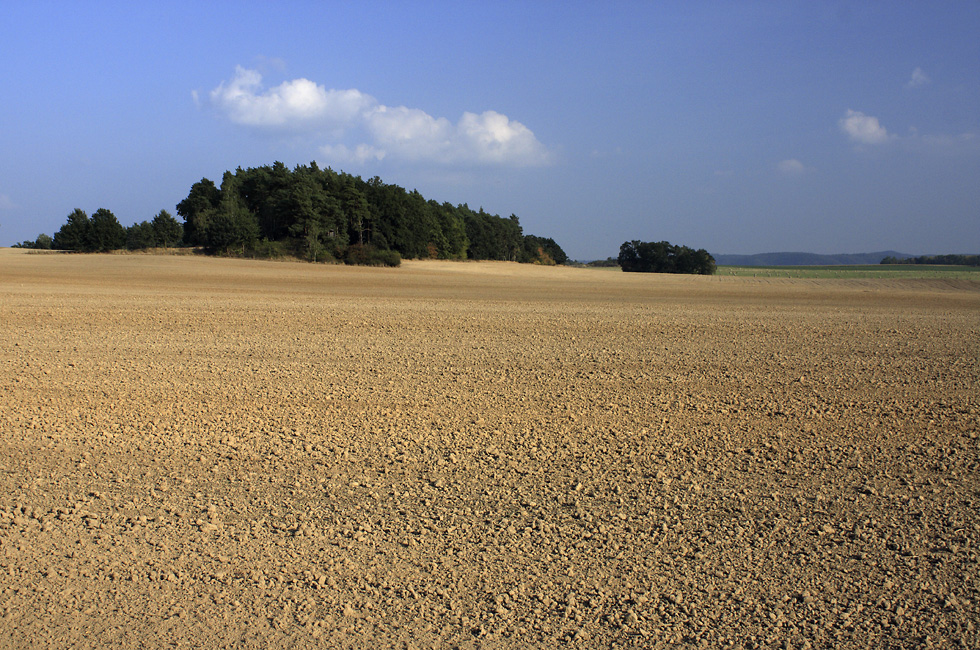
(368, 255)
(270, 250)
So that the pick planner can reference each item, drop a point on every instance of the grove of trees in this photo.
(320, 214)
(663, 257)
(315, 214)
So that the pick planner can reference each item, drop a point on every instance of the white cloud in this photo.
(6, 203)
(493, 138)
(411, 133)
(299, 103)
(864, 129)
(790, 167)
(919, 79)
(400, 133)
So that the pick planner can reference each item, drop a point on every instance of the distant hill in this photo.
(806, 259)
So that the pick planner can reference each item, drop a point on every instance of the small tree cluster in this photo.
(43, 242)
(663, 257)
(102, 232)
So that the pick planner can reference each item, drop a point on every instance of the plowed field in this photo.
(223, 453)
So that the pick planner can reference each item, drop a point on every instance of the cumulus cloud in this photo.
(863, 129)
(299, 103)
(410, 133)
(790, 167)
(919, 79)
(400, 132)
(492, 137)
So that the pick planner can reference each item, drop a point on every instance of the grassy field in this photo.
(888, 271)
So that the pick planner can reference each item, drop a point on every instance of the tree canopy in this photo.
(663, 257)
(321, 214)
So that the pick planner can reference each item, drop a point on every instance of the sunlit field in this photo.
(225, 453)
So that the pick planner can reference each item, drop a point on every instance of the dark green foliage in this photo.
(492, 238)
(43, 242)
(321, 215)
(106, 233)
(74, 235)
(455, 242)
(368, 255)
(102, 232)
(317, 214)
(140, 236)
(663, 257)
(163, 231)
(269, 250)
(230, 230)
(944, 260)
(231, 226)
(167, 231)
(203, 198)
(356, 213)
(541, 250)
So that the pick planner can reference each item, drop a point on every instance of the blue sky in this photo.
(739, 127)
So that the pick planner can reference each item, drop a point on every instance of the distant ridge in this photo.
(806, 259)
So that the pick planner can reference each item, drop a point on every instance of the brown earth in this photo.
(224, 453)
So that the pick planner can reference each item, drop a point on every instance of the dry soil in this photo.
(224, 453)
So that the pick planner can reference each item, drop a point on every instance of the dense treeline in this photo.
(102, 232)
(321, 214)
(316, 214)
(945, 260)
(663, 257)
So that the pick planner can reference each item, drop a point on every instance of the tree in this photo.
(74, 235)
(230, 225)
(140, 236)
(203, 198)
(227, 229)
(167, 231)
(453, 230)
(106, 233)
(357, 212)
